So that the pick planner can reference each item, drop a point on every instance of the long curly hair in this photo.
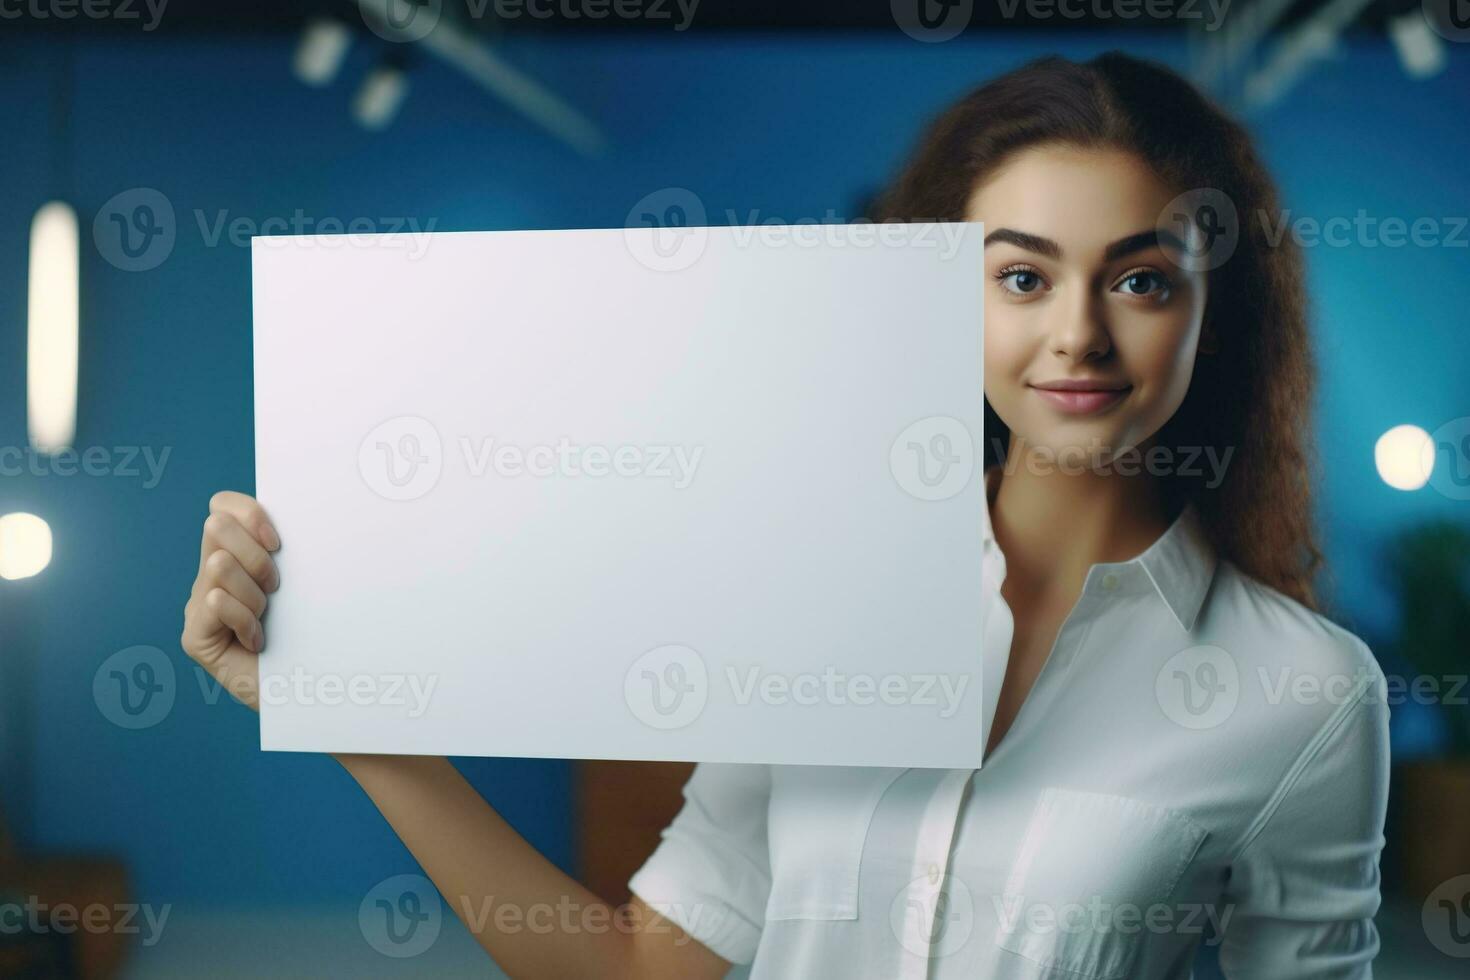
(1253, 394)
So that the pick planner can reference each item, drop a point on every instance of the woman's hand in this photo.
(222, 619)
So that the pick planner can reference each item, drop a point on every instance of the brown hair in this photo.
(1254, 393)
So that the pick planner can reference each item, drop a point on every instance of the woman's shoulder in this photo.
(1293, 653)
(1311, 703)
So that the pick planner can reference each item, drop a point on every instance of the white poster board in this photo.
(690, 494)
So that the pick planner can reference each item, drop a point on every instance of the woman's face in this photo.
(1080, 295)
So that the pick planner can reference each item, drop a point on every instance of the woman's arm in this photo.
(481, 866)
(478, 862)
(1303, 886)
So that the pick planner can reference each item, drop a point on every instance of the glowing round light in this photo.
(1405, 457)
(25, 545)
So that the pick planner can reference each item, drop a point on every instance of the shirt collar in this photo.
(1180, 564)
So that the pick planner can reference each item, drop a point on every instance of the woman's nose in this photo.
(1079, 331)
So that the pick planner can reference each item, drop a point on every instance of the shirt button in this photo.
(1109, 582)
(933, 874)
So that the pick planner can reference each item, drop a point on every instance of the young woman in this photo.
(1182, 750)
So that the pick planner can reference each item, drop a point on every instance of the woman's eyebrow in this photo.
(1127, 245)
(1031, 243)
(1142, 240)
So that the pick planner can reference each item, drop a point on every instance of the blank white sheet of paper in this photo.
(690, 494)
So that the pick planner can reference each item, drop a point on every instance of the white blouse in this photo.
(1201, 759)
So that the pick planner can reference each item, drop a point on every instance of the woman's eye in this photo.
(1144, 283)
(1020, 281)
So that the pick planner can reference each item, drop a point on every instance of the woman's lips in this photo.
(1082, 401)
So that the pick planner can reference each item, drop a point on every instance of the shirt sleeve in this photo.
(711, 874)
(1304, 886)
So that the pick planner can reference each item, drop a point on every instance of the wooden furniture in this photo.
(82, 885)
(621, 809)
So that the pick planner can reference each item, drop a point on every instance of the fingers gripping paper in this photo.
(607, 494)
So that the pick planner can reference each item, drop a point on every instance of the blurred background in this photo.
(145, 143)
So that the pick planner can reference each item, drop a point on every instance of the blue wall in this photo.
(790, 127)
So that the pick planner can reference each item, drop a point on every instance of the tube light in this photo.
(51, 340)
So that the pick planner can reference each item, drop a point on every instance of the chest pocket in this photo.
(1089, 870)
(818, 822)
